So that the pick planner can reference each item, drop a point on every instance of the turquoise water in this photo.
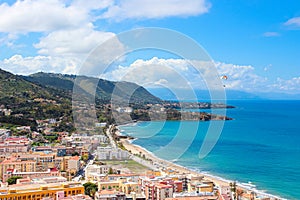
(261, 145)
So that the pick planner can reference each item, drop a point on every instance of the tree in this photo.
(85, 157)
(75, 153)
(233, 189)
(13, 180)
(90, 189)
(110, 171)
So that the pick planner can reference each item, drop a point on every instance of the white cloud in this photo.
(65, 52)
(241, 77)
(52, 15)
(170, 73)
(149, 9)
(153, 72)
(287, 85)
(293, 22)
(28, 65)
(47, 15)
(75, 42)
(179, 73)
(271, 34)
(68, 28)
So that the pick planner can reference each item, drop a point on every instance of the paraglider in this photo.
(224, 77)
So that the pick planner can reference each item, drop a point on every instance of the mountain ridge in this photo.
(104, 89)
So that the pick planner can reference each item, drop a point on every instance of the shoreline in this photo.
(219, 181)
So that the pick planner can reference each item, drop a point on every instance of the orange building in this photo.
(37, 191)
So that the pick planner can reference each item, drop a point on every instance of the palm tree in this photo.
(233, 189)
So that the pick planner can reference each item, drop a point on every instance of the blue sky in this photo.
(255, 42)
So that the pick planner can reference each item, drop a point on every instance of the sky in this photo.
(255, 43)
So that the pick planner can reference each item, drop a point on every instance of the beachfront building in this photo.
(38, 191)
(111, 153)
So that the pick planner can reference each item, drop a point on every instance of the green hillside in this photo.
(104, 90)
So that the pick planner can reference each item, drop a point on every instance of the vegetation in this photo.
(49, 96)
(13, 180)
(90, 189)
(84, 158)
(110, 171)
(104, 89)
(233, 188)
(128, 164)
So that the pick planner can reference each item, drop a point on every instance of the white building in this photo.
(110, 153)
(74, 163)
(96, 172)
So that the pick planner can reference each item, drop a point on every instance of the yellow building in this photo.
(202, 186)
(13, 163)
(120, 185)
(153, 173)
(205, 188)
(109, 185)
(129, 187)
(37, 191)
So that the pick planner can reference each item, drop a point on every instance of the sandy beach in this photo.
(161, 165)
(164, 164)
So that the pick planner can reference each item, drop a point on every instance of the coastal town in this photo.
(149, 100)
(101, 164)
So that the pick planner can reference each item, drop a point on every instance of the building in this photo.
(163, 191)
(75, 197)
(14, 145)
(201, 186)
(195, 198)
(44, 160)
(30, 175)
(17, 164)
(110, 153)
(122, 185)
(110, 195)
(38, 191)
(96, 172)
(73, 163)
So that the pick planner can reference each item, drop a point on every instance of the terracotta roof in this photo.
(75, 158)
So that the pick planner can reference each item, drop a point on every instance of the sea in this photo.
(260, 146)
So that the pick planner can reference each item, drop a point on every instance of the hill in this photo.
(104, 89)
(47, 95)
(26, 101)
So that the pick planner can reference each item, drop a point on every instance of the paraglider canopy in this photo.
(224, 77)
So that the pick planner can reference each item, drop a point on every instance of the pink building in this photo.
(14, 145)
